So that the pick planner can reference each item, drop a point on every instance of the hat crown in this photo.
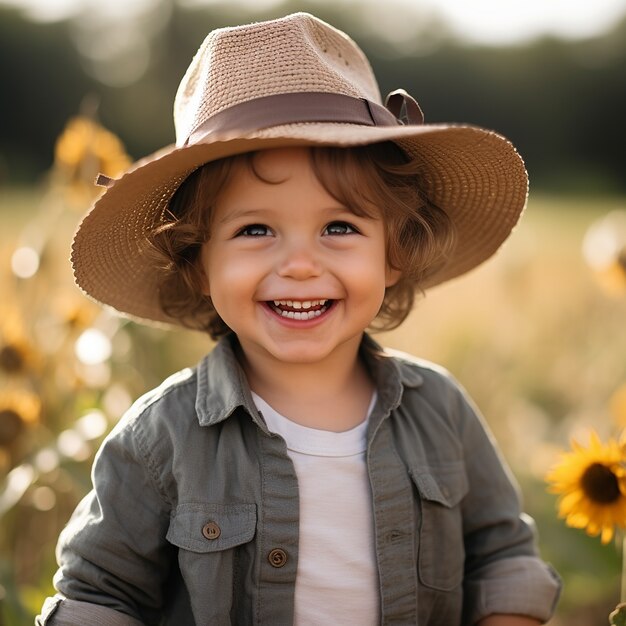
(297, 53)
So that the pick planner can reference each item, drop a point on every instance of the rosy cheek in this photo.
(234, 276)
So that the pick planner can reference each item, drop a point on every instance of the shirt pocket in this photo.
(212, 541)
(441, 551)
(207, 527)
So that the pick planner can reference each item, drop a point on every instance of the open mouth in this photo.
(300, 309)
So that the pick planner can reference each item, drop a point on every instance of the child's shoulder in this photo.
(177, 388)
(430, 381)
(422, 372)
(170, 404)
(203, 395)
(434, 401)
(417, 364)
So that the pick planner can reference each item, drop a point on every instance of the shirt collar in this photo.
(223, 388)
(222, 384)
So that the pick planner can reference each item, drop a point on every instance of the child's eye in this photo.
(340, 228)
(254, 230)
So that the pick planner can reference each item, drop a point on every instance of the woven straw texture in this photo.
(475, 175)
(295, 54)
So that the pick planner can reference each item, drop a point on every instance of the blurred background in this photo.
(536, 335)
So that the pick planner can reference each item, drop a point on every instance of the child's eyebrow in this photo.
(234, 215)
(237, 214)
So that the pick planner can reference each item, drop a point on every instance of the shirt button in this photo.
(277, 557)
(211, 530)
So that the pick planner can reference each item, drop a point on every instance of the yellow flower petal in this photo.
(607, 534)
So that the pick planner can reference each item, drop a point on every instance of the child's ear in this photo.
(392, 276)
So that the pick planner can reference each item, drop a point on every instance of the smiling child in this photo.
(299, 474)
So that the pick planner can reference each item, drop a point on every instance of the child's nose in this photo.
(299, 262)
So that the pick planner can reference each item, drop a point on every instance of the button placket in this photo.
(277, 557)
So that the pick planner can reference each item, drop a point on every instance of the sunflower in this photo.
(591, 482)
(18, 409)
(17, 354)
(74, 311)
(83, 150)
(15, 357)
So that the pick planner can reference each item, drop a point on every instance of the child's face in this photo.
(296, 275)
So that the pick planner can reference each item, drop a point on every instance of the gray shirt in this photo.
(193, 518)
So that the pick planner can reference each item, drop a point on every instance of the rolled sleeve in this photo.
(516, 586)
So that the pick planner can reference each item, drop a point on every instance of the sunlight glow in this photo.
(93, 347)
(71, 444)
(25, 262)
(92, 425)
(498, 21)
(605, 240)
(18, 480)
(487, 21)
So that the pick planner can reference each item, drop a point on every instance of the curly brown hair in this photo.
(419, 234)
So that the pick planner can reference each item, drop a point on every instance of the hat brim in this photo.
(475, 175)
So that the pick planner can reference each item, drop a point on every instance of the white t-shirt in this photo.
(337, 579)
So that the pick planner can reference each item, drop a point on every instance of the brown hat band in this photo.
(290, 108)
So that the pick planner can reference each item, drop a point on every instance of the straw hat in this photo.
(285, 82)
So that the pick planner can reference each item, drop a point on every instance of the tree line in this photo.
(560, 102)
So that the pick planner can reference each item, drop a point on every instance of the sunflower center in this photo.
(600, 484)
(10, 426)
(11, 359)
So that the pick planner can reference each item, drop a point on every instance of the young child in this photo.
(300, 473)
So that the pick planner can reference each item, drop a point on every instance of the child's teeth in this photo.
(297, 304)
(302, 315)
(300, 309)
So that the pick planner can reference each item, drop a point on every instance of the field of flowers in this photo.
(535, 335)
